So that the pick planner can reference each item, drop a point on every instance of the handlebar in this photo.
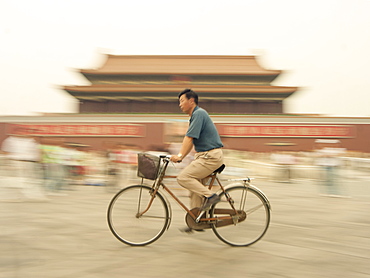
(167, 158)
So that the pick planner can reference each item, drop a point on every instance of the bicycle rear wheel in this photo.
(124, 220)
(254, 217)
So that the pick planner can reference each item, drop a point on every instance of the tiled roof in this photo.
(181, 64)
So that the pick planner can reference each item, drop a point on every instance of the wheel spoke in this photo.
(151, 216)
(249, 211)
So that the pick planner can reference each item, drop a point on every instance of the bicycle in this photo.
(139, 214)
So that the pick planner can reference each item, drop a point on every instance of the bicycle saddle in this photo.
(220, 169)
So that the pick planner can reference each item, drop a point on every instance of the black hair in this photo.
(189, 93)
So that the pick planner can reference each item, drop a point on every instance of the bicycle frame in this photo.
(197, 218)
(138, 206)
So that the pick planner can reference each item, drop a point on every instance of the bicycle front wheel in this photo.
(252, 222)
(126, 222)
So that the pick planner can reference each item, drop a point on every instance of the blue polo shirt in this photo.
(203, 131)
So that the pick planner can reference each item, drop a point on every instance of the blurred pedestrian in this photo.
(329, 155)
(285, 161)
(54, 170)
(23, 155)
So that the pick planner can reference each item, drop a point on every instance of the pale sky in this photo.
(321, 45)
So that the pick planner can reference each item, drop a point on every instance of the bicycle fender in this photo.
(262, 194)
(259, 191)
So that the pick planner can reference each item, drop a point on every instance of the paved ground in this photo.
(309, 236)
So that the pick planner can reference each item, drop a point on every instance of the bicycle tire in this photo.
(124, 223)
(255, 217)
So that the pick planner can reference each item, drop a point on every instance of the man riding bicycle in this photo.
(141, 206)
(203, 135)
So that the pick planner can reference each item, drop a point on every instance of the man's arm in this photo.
(187, 145)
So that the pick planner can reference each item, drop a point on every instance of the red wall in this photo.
(154, 140)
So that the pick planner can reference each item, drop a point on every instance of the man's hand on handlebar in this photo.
(175, 158)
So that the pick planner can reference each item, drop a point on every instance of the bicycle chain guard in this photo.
(207, 225)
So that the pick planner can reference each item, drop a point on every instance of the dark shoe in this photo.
(190, 230)
(186, 230)
(210, 201)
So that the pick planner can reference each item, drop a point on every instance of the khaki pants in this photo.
(191, 177)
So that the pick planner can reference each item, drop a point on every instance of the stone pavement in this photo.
(309, 236)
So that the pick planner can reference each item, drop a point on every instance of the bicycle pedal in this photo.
(197, 220)
(190, 220)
